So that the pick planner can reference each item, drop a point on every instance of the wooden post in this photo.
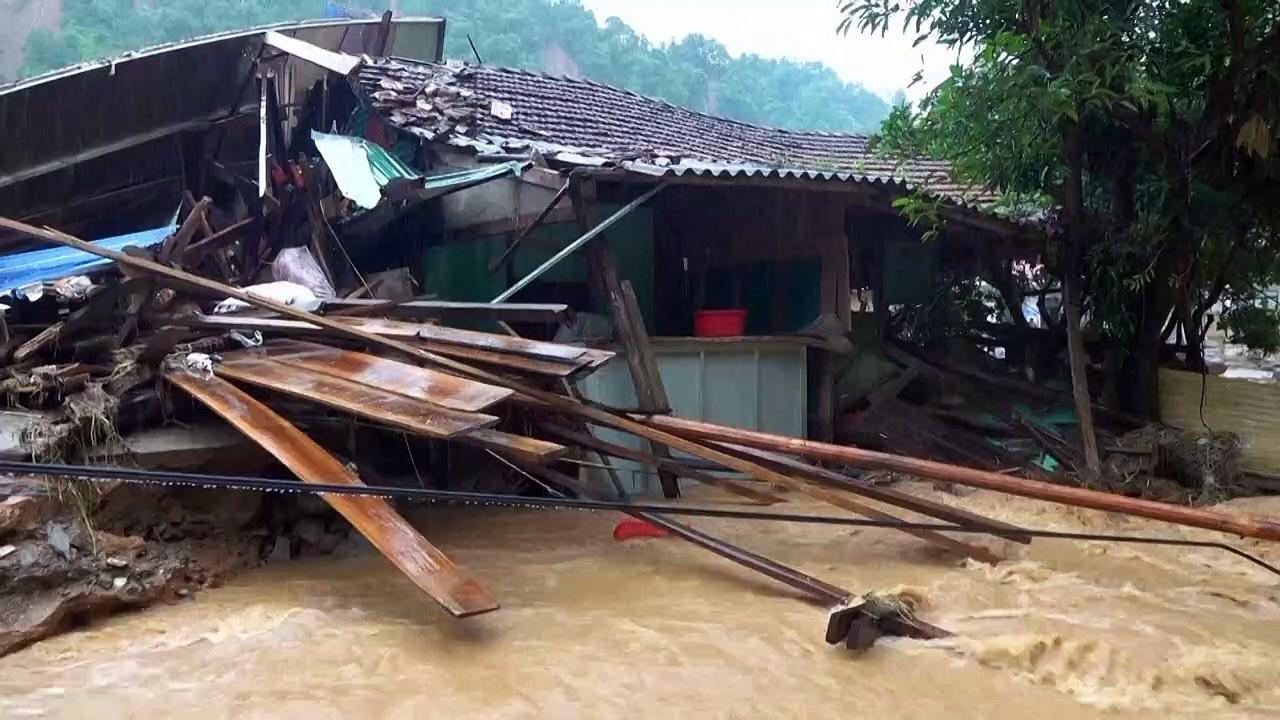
(628, 324)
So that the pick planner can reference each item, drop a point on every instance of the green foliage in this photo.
(1178, 106)
(695, 72)
(1253, 325)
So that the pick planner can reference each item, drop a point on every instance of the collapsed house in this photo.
(318, 250)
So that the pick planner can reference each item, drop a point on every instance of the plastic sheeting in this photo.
(37, 266)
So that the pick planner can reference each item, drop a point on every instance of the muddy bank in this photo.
(73, 554)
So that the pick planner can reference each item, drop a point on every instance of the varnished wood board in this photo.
(380, 406)
(457, 591)
(392, 376)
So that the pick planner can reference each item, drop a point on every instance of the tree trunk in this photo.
(1073, 147)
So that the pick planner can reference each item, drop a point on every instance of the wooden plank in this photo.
(415, 416)
(673, 466)
(526, 449)
(523, 365)
(460, 311)
(487, 341)
(340, 63)
(396, 330)
(457, 591)
(390, 375)
(1259, 528)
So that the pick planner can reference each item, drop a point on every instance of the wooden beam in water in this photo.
(1244, 526)
(888, 496)
(434, 573)
(673, 466)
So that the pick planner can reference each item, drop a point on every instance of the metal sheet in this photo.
(395, 377)
(36, 266)
(380, 406)
(431, 570)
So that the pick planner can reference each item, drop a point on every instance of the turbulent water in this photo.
(595, 628)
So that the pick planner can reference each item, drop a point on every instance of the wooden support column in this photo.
(627, 323)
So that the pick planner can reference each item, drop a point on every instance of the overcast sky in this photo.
(798, 29)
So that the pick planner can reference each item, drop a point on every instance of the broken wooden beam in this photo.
(1062, 494)
(430, 569)
(888, 496)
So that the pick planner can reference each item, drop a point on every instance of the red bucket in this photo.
(719, 323)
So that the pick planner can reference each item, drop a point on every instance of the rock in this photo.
(7, 550)
(119, 582)
(21, 512)
(279, 553)
(116, 562)
(59, 539)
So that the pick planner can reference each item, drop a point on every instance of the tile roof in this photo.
(494, 109)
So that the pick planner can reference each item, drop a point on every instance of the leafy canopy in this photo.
(1177, 106)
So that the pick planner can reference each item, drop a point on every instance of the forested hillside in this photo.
(554, 35)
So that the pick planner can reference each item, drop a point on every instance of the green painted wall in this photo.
(460, 270)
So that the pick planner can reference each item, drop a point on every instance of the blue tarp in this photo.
(36, 266)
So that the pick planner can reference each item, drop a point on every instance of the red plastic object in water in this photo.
(633, 528)
(719, 323)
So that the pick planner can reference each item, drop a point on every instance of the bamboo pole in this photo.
(1062, 494)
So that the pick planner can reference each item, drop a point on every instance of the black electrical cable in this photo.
(233, 482)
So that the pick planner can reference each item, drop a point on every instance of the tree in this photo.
(694, 72)
(1151, 125)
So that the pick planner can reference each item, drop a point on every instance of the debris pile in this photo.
(273, 330)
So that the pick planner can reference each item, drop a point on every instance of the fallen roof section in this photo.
(147, 96)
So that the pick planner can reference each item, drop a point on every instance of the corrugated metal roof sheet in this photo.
(583, 122)
(22, 269)
(362, 168)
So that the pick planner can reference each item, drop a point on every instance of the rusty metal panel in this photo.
(432, 571)
(396, 377)
(415, 416)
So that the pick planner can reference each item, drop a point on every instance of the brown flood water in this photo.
(595, 628)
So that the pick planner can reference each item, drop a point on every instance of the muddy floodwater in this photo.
(595, 628)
